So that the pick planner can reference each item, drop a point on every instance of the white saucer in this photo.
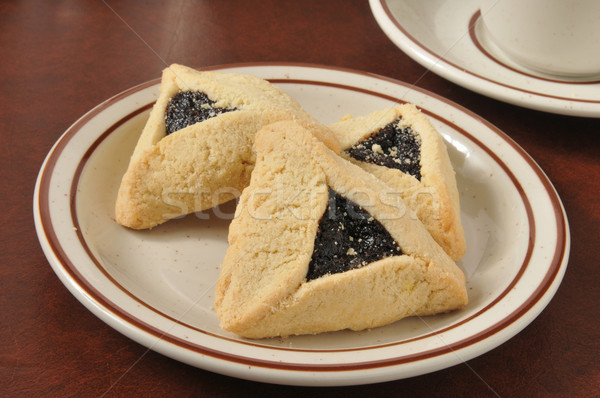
(447, 38)
(157, 286)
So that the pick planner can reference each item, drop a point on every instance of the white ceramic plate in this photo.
(157, 286)
(447, 38)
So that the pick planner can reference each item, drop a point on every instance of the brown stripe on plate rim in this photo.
(60, 254)
(418, 43)
(326, 84)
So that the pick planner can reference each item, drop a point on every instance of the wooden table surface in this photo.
(61, 58)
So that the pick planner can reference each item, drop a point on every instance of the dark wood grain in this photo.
(61, 58)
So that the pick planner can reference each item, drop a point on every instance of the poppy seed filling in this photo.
(189, 107)
(348, 237)
(392, 146)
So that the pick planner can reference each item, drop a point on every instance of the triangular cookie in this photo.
(195, 151)
(401, 147)
(306, 217)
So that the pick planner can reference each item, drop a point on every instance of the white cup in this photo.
(559, 37)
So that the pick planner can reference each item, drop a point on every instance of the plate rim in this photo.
(559, 259)
(468, 79)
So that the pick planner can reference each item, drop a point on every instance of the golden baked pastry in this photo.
(195, 151)
(401, 147)
(318, 244)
